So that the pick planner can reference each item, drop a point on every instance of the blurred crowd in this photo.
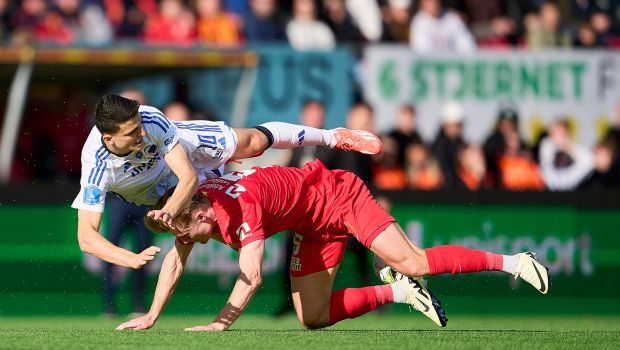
(554, 161)
(426, 25)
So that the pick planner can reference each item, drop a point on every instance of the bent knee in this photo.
(314, 321)
(314, 324)
(413, 267)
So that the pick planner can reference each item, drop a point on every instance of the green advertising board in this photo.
(46, 273)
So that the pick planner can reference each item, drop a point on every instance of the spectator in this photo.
(387, 172)
(406, 132)
(516, 167)
(128, 17)
(435, 29)
(471, 168)
(397, 20)
(495, 145)
(606, 171)
(600, 22)
(70, 22)
(586, 38)
(177, 111)
(29, 21)
(367, 16)
(544, 31)
(305, 32)
(174, 25)
(264, 22)
(564, 164)
(448, 140)
(312, 115)
(341, 23)
(422, 170)
(360, 117)
(489, 23)
(216, 27)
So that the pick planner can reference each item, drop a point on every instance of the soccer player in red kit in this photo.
(323, 207)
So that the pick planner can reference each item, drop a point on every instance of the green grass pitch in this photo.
(373, 331)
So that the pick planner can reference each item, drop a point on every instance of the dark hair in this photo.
(113, 110)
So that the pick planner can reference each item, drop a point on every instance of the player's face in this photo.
(129, 137)
(200, 226)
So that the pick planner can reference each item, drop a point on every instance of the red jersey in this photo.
(257, 203)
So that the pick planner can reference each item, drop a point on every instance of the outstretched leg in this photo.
(393, 246)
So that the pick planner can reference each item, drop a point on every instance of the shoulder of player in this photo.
(93, 149)
(153, 120)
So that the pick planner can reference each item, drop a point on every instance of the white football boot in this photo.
(533, 272)
(421, 299)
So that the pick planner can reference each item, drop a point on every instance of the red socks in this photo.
(457, 259)
(354, 302)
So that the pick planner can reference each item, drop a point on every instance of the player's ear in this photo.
(107, 138)
(199, 216)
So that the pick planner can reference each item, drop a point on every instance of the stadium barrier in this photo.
(575, 234)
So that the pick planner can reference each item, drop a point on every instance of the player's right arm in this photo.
(92, 242)
(171, 270)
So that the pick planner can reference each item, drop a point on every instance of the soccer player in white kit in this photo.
(135, 152)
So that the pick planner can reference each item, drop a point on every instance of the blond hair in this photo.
(182, 219)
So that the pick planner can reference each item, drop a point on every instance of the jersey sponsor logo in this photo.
(235, 190)
(151, 150)
(92, 195)
(295, 264)
(168, 141)
(244, 231)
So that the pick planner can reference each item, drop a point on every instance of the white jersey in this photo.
(143, 176)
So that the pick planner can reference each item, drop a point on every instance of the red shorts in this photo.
(356, 213)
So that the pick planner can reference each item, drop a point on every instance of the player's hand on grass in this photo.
(144, 257)
(213, 327)
(163, 216)
(143, 322)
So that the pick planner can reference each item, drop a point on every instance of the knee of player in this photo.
(314, 320)
(258, 141)
(313, 323)
(414, 267)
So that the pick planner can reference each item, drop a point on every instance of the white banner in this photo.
(544, 85)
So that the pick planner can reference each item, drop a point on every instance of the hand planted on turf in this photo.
(143, 322)
(140, 259)
(213, 327)
(162, 216)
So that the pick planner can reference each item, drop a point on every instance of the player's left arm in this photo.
(250, 279)
(178, 161)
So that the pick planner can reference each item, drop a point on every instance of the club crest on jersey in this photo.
(139, 155)
(150, 150)
(92, 195)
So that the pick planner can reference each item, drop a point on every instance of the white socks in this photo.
(399, 289)
(287, 135)
(510, 263)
